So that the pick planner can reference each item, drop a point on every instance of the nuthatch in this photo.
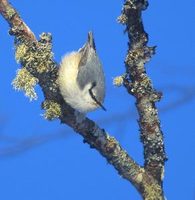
(81, 78)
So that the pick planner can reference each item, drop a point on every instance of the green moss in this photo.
(25, 81)
(52, 110)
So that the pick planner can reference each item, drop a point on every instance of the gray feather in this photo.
(90, 68)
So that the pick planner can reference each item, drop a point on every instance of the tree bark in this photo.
(38, 66)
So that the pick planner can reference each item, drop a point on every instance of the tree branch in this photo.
(140, 86)
(14, 20)
(36, 59)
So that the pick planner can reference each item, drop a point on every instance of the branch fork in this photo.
(36, 58)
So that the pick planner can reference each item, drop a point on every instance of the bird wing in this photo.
(89, 68)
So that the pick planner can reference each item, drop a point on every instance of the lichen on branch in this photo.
(38, 66)
(118, 81)
(24, 81)
(52, 110)
(140, 86)
(37, 58)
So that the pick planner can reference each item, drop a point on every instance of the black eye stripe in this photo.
(93, 96)
(93, 85)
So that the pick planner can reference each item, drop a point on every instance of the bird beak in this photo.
(90, 40)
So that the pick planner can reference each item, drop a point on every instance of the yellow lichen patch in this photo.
(152, 192)
(36, 57)
(42, 67)
(140, 175)
(118, 81)
(145, 81)
(52, 110)
(26, 82)
(20, 52)
(10, 12)
(122, 19)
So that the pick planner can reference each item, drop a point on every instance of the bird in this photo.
(81, 78)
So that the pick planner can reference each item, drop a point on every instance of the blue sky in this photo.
(54, 163)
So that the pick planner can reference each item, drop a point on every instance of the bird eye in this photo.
(94, 84)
